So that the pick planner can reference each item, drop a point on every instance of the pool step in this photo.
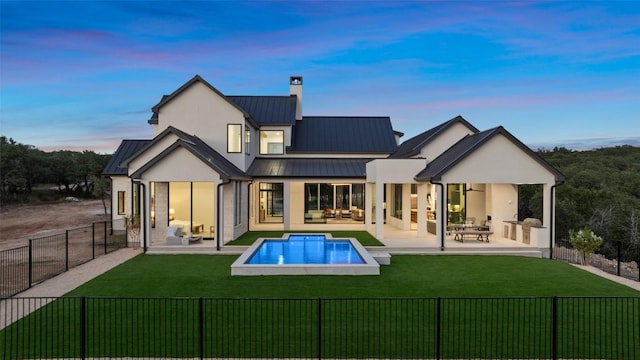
(383, 258)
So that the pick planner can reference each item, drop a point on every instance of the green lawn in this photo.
(364, 237)
(162, 305)
(407, 276)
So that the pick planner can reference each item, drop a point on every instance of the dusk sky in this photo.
(84, 75)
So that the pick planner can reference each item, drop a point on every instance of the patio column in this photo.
(544, 242)
(379, 210)
(369, 190)
(406, 206)
(422, 210)
(441, 214)
(286, 205)
(145, 213)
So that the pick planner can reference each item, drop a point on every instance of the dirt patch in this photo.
(19, 223)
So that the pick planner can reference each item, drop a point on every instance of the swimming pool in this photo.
(306, 254)
(306, 249)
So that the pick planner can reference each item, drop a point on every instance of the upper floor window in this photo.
(234, 138)
(271, 142)
(247, 140)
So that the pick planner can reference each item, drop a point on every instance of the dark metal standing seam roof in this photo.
(466, 146)
(268, 110)
(412, 146)
(308, 167)
(126, 149)
(343, 134)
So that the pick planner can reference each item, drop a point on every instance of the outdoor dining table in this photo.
(480, 232)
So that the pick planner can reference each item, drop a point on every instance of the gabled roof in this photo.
(197, 78)
(196, 146)
(412, 146)
(343, 134)
(308, 167)
(169, 130)
(126, 149)
(268, 110)
(466, 146)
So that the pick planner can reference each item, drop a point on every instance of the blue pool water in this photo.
(306, 249)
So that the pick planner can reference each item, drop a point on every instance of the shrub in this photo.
(585, 241)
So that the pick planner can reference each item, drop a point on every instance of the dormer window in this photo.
(271, 142)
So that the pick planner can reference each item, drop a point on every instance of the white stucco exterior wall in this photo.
(120, 183)
(499, 161)
(181, 165)
(151, 152)
(200, 111)
(445, 140)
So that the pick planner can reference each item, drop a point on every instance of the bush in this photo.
(585, 241)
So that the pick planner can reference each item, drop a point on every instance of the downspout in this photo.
(443, 228)
(249, 197)
(552, 212)
(218, 214)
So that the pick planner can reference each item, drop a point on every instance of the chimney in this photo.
(295, 88)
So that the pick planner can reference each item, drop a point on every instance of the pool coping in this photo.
(240, 268)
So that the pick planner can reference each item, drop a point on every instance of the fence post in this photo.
(83, 327)
(319, 319)
(201, 327)
(93, 241)
(618, 257)
(438, 327)
(105, 237)
(30, 263)
(66, 250)
(554, 327)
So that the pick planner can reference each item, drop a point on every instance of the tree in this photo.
(100, 188)
(132, 224)
(585, 241)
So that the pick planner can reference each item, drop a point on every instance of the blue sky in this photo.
(84, 75)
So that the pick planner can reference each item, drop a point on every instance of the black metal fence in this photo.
(48, 256)
(395, 328)
(613, 257)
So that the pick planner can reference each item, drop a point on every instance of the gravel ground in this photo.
(21, 222)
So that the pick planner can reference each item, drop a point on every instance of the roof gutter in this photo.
(552, 212)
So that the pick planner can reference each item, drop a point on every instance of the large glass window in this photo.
(357, 196)
(203, 209)
(272, 202)
(271, 142)
(456, 203)
(234, 138)
(396, 200)
(327, 198)
(192, 206)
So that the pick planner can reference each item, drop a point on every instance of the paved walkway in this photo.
(48, 290)
(619, 279)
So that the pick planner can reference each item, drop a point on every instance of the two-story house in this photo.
(220, 165)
